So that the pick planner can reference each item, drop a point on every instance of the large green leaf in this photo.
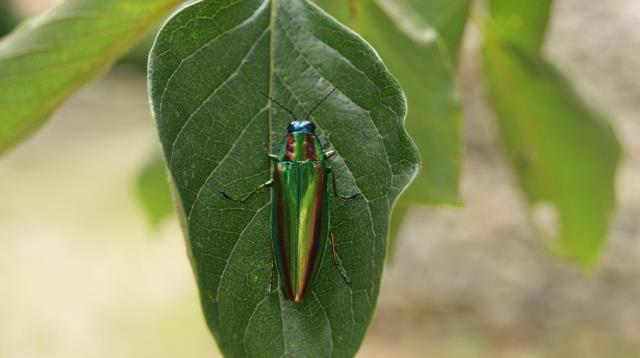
(564, 153)
(419, 41)
(208, 70)
(49, 57)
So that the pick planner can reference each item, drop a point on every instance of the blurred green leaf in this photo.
(208, 70)
(49, 57)
(564, 153)
(522, 22)
(153, 191)
(420, 41)
(447, 17)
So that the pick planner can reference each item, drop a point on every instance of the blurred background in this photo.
(84, 274)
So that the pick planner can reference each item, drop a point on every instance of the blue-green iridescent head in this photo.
(301, 126)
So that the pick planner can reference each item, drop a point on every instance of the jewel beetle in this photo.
(300, 206)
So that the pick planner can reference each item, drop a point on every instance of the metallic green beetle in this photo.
(299, 206)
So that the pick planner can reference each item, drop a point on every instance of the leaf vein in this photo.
(235, 143)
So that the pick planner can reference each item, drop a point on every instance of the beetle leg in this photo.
(266, 150)
(335, 188)
(250, 194)
(337, 261)
(329, 153)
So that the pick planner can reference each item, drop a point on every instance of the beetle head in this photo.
(301, 126)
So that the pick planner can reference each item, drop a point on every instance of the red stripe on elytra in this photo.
(290, 150)
(310, 147)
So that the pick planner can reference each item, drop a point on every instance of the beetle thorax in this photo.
(300, 146)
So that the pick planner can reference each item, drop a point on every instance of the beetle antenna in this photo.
(283, 107)
(319, 103)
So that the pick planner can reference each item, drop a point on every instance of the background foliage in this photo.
(49, 57)
(563, 152)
